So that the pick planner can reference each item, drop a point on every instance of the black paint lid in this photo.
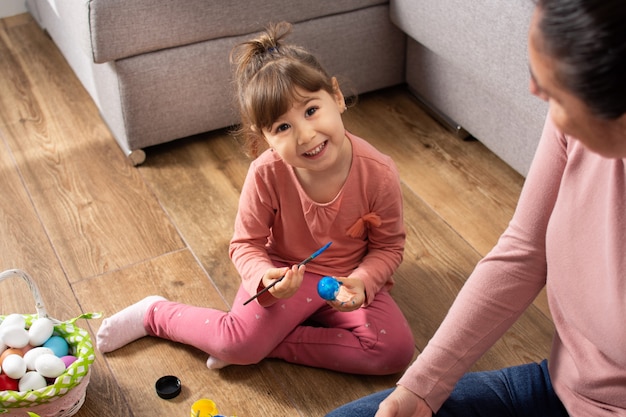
(168, 387)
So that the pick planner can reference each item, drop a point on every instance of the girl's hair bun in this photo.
(249, 57)
(271, 40)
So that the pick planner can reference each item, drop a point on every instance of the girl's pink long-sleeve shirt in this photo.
(568, 233)
(277, 222)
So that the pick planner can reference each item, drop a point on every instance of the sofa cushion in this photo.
(486, 36)
(470, 63)
(121, 28)
(179, 92)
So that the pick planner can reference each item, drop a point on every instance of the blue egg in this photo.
(58, 345)
(328, 288)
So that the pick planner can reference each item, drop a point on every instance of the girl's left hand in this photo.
(351, 295)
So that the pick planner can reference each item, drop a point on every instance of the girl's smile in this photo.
(317, 150)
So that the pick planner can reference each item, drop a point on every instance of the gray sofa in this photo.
(468, 61)
(158, 69)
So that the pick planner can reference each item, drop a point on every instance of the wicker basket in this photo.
(67, 394)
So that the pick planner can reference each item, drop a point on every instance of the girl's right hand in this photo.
(403, 403)
(288, 285)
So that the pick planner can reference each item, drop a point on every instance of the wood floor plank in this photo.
(318, 391)
(24, 245)
(452, 176)
(200, 189)
(97, 211)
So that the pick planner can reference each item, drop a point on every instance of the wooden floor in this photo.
(98, 234)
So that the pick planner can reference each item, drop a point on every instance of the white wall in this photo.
(12, 7)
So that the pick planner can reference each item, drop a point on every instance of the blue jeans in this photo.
(519, 391)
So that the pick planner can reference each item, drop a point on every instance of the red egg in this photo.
(7, 383)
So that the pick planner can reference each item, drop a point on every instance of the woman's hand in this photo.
(403, 403)
(351, 295)
(288, 285)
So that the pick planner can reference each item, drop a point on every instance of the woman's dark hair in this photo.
(588, 40)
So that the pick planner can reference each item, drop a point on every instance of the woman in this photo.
(568, 234)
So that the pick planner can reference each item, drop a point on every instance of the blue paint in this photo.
(328, 288)
(316, 253)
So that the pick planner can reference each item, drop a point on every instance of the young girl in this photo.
(315, 184)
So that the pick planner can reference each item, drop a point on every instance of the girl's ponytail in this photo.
(249, 57)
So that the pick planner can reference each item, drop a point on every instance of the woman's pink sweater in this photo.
(568, 233)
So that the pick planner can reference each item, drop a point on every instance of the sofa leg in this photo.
(136, 157)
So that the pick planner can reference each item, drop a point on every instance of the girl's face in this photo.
(570, 114)
(311, 134)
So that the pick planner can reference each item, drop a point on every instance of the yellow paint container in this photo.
(204, 408)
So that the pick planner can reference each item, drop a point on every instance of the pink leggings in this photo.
(375, 340)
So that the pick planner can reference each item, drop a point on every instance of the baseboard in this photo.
(440, 117)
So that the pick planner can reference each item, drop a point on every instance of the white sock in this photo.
(124, 326)
(215, 363)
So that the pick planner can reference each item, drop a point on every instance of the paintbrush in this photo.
(306, 261)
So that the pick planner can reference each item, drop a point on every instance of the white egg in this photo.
(13, 320)
(40, 331)
(14, 366)
(15, 336)
(49, 366)
(31, 356)
(31, 381)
